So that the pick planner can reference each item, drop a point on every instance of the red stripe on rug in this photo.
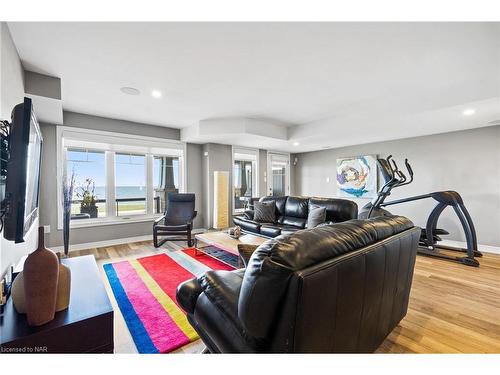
(166, 272)
(208, 260)
(153, 316)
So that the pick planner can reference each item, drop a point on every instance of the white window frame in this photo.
(253, 156)
(111, 143)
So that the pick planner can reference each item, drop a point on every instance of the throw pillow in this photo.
(316, 216)
(264, 212)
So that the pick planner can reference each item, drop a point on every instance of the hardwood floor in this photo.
(453, 308)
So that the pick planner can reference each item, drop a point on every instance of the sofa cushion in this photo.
(270, 230)
(264, 212)
(330, 241)
(296, 207)
(298, 222)
(316, 216)
(279, 202)
(337, 210)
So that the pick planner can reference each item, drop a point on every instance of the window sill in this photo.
(113, 221)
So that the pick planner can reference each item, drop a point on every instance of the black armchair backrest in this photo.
(180, 208)
(291, 278)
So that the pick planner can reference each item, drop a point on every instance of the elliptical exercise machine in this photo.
(428, 244)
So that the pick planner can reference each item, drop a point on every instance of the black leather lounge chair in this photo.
(177, 222)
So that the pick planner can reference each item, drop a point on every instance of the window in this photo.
(130, 184)
(165, 180)
(88, 169)
(117, 177)
(245, 176)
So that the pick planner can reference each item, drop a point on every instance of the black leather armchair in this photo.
(177, 222)
(337, 288)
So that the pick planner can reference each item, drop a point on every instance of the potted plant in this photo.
(86, 193)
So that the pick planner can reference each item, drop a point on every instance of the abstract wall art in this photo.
(357, 176)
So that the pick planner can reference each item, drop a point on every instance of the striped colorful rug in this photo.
(145, 289)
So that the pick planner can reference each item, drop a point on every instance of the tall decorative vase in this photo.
(41, 273)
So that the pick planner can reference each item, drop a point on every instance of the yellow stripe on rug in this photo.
(165, 301)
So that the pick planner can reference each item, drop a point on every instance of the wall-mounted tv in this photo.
(23, 173)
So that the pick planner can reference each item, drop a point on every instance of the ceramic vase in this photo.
(17, 293)
(63, 286)
(41, 273)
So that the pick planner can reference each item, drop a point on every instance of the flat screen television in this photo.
(23, 172)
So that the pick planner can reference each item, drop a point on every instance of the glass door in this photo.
(278, 174)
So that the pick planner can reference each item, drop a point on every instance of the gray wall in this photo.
(195, 180)
(80, 120)
(12, 93)
(48, 206)
(218, 159)
(262, 172)
(465, 161)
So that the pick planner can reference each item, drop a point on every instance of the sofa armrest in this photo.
(222, 288)
(187, 294)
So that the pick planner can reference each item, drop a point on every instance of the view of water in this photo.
(121, 192)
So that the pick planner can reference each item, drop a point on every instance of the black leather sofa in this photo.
(336, 288)
(291, 214)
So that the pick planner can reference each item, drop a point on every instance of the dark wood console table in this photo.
(85, 327)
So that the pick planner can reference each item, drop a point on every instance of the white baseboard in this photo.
(90, 245)
(114, 242)
(121, 241)
(481, 248)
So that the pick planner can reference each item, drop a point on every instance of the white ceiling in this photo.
(331, 84)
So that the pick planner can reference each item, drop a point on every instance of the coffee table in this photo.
(223, 241)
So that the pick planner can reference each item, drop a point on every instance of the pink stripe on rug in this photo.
(153, 316)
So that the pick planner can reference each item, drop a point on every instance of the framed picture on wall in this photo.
(357, 176)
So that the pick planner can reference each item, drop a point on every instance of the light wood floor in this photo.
(453, 308)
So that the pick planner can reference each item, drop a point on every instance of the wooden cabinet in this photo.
(85, 327)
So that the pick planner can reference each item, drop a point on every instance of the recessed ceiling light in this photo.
(296, 143)
(156, 94)
(130, 91)
(469, 112)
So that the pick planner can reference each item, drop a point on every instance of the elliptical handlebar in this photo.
(393, 177)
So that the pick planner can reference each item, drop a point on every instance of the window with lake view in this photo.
(130, 184)
(118, 177)
(89, 193)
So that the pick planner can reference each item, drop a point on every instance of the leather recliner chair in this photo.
(291, 214)
(335, 288)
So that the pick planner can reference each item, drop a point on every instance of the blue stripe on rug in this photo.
(137, 331)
